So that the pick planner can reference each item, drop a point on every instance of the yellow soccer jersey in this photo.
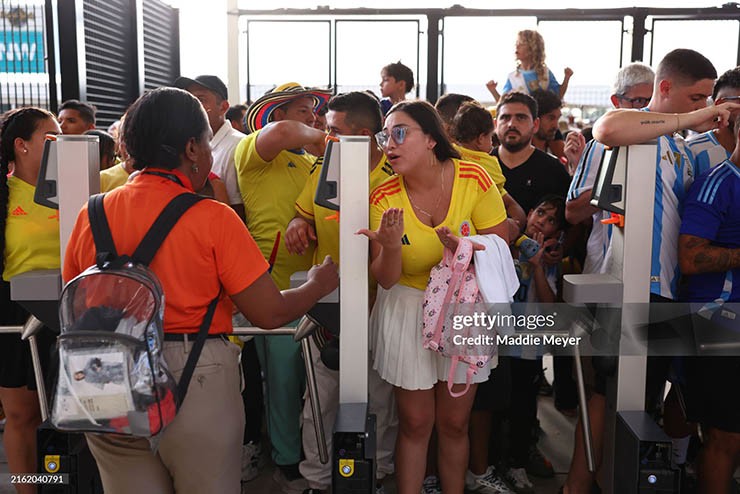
(489, 164)
(475, 205)
(269, 190)
(31, 232)
(327, 231)
(113, 177)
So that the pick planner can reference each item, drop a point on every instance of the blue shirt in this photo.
(712, 212)
(531, 82)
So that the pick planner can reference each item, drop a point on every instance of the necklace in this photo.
(439, 197)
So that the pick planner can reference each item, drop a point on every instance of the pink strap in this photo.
(451, 377)
(465, 247)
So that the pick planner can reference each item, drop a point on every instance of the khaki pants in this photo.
(200, 451)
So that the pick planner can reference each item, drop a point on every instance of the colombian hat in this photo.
(260, 113)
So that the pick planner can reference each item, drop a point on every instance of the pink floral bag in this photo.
(453, 281)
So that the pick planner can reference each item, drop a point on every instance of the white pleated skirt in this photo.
(395, 343)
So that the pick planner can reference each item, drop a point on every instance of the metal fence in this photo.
(105, 52)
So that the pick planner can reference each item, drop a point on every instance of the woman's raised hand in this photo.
(390, 231)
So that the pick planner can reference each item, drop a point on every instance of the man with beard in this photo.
(530, 173)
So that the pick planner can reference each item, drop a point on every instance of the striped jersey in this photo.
(711, 212)
(475, 205)
(583, 181)
(706, 151)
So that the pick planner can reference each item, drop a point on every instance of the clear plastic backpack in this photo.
(112, 374)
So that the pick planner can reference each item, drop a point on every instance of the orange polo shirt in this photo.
(208, 248)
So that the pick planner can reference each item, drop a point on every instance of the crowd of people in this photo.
(436, 174)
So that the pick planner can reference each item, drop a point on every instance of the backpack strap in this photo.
(161, 227)
(105, 249)
(200, 341)
(144, 254)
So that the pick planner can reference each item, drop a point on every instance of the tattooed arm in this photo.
(623, 127)
(696, 255)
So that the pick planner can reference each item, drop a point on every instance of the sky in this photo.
(469, 60)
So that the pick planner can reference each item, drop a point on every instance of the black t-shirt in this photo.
(537, 177)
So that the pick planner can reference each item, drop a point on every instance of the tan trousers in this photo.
(200, 451)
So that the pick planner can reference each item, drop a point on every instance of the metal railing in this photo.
(300, 333)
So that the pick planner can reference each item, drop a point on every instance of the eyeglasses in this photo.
(397, 133)
(635, 102)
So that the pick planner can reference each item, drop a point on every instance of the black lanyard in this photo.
(168, 176)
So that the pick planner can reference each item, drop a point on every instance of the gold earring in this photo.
(195, 168)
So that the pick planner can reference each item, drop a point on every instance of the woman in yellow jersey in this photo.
(434, 199)
(29, 239)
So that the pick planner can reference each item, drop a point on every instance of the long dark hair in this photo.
(428, 119)
(22, 123)
(159, 125)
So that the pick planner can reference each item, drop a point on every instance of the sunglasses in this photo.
(397, 133)
(635, 102)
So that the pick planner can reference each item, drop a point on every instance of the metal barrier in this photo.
(301, 333)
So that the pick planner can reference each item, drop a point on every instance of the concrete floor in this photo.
(556, 444)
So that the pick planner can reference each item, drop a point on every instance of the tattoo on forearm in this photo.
(694, 242)
(651, 122)
(716, 259)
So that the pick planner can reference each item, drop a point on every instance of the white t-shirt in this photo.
(223, 145)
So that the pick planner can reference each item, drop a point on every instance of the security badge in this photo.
(346, 468)
(51, 463)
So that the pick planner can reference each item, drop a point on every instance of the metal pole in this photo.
(313, 395)
(585, 421)
(29, 332)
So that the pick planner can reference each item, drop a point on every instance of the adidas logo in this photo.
(405, 240)
(291, 165)
(19, 212)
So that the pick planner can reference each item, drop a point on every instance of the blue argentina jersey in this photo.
(706, 151)
(583, 181)
(711, 212)
(674, 174)
(531, 83)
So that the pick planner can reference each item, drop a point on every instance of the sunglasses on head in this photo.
(397, 133)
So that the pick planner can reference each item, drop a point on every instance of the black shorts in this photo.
(713, 391)
(495, 394)
(16, 367)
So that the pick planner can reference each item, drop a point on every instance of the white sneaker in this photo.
(431, 485)
(252, 461)
(518, 479)
(488, 483)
